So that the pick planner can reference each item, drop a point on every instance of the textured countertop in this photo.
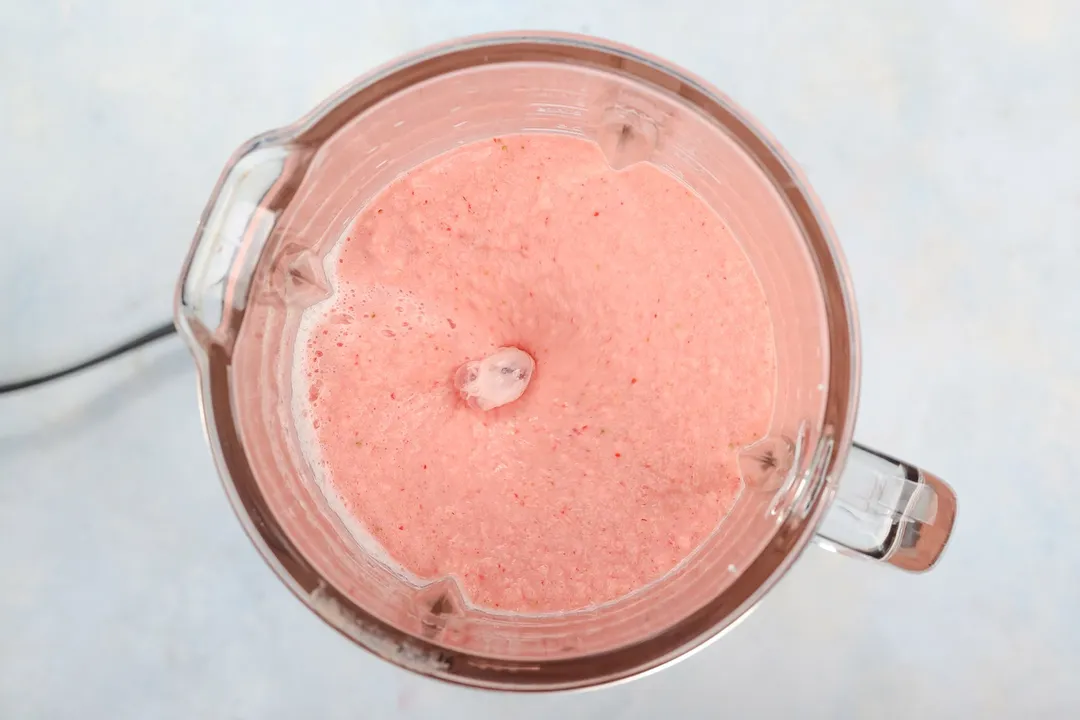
(942, 138)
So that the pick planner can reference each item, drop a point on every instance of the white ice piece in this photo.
(498, 379)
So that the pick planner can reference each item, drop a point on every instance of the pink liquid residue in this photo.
(654, 365)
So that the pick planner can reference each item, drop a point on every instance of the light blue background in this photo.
(942, 138)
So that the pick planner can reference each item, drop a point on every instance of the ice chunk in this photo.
(498, 379)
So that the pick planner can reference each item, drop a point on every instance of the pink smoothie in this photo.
(653, 355)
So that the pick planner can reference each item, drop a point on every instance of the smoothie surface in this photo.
(654, 364)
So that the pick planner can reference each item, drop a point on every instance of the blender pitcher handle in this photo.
(890, 511)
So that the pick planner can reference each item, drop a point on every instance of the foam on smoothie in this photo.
(322, 319)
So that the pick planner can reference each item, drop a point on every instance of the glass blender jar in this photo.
(256, 264)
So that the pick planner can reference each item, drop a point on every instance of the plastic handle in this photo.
(889, 511)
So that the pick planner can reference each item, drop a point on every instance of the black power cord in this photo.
(146, 338)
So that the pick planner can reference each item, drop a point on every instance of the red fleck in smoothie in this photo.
(653, 363)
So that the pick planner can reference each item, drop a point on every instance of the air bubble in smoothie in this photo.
(549, 369)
